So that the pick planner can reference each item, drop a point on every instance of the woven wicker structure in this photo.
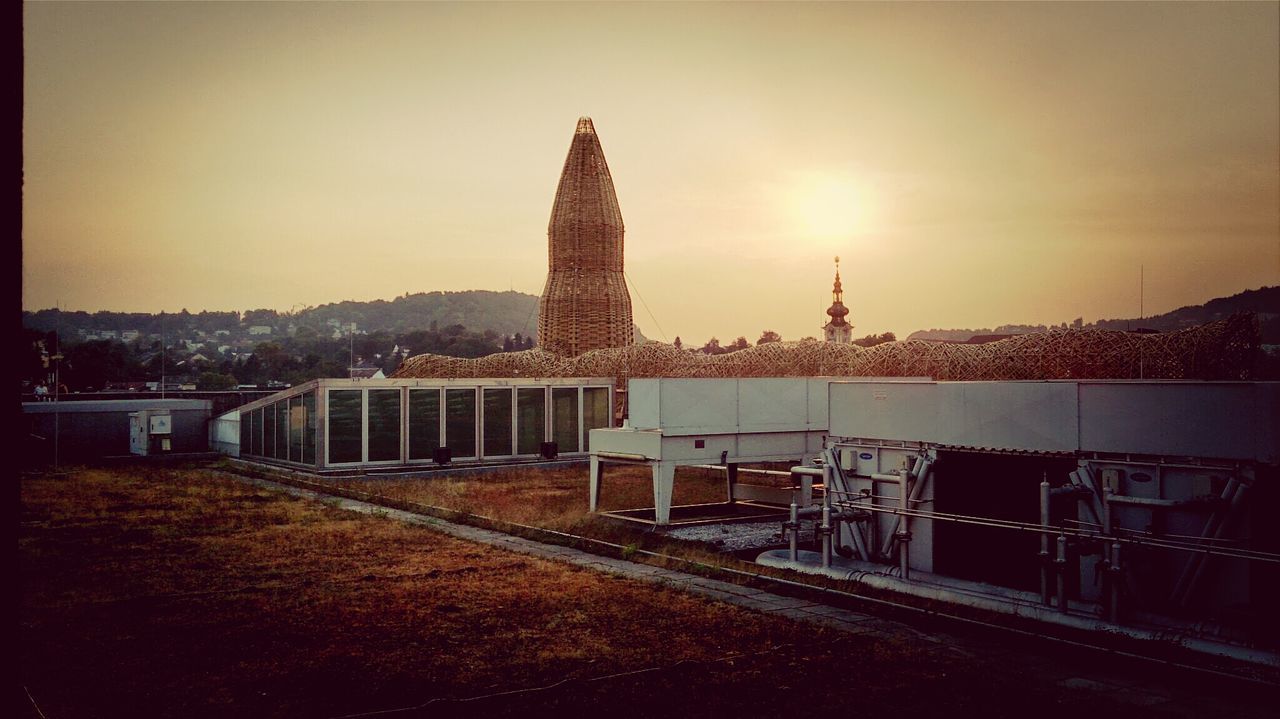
(1223, 350)
(585, 305)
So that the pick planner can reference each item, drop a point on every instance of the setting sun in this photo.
(829, 208)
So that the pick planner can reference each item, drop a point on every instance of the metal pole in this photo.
(1044, 541)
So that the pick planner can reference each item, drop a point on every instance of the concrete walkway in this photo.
(1136, 686)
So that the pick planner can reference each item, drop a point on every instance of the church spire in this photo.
(838, 329)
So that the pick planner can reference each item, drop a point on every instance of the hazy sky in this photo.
(971, 164)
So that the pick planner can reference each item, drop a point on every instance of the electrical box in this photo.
(161, 424)
(150, 432)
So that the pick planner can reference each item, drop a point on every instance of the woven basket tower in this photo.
(585, 305)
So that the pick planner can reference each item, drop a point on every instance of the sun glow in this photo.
(829, 208)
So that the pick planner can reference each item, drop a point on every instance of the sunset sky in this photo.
(971, 164)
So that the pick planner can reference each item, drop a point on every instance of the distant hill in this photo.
(1265, 302)
(503, 313)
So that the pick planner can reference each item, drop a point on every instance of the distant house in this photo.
(130, 335)
(365, 371)
(198, 358)
(109, 334)
(259, 330)
(223, 333)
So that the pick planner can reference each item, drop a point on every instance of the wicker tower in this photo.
(585, 304)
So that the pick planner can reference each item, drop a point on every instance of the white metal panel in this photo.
(685, 449)
(647, 443)
(642, 403)
(883, 410)
(1266, 422)
(698, 406)
(783, 445)
(1038, 416)
(818, 415)
(1224, 420)
(773, 404)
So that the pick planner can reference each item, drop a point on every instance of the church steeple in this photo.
(838, 329)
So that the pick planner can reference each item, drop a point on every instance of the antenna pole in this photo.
(57, 381)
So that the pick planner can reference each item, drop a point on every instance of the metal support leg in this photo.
(730, 479)
(594, 499)
(664, 478)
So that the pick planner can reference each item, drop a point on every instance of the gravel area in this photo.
(737, 536)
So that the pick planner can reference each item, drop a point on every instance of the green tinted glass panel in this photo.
(257, 430)
(244, 432)
(309, 428)
(497, 422)
(531, 417)
(595, 412)
(460, 422)
(345, 408)
(384, 425)
(564, 418)
(424, 423)
(282, 429)
(269, 431)
(297, 419)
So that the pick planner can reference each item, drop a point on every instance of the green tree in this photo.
(769, 336)
(215, 381)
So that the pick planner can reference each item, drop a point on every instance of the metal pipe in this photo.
(1084, 479)
(1232, 510)
(810, 471)
(793, 531)
(859, 543)
(1044, 541)
(1060, 565)
(999, 600)
(1157, 503)
(1108, 563)
(1116, 571)
(904, 535)
(825, 529)
(1211, 529)
(1135, 538)
(916, 491)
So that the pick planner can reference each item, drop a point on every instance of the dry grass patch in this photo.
(149, 592)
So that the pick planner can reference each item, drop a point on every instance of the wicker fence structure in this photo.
(585, 304)
(1222, 350)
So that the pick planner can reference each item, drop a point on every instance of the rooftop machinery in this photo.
(1124, 506)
